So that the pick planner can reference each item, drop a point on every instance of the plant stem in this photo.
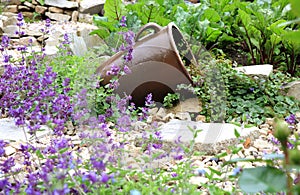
(287, 162)
(249, 45)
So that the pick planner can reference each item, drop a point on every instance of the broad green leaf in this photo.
(212, 34)
(262, 179)
(245, 17)
(293, 36)
(295, 7)
(114, 9)
(211, 15)
(102, 32)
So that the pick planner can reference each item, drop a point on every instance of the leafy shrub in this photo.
(257, 97)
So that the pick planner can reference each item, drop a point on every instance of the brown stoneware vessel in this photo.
(158, 64)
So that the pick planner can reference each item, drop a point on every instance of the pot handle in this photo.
(150, 25)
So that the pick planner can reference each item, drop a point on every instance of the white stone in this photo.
(161, 113)
(9, 150)
(183, 116)
(188, 105)
(61, 3)
(293, 89)
(196, 180)
(9, 20)
(10, 30)
(91, 6)
(51, 50)
(211, 138)
(264, 69)
(58, 17)
(78, 46)
(9, 131)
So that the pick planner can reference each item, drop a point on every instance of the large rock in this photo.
(264, 69)
(192, 105)
(58, 17)
(10, 30)
(293, 89)
(212, 138)
(91, 6)
(9, 131)
(61, 3)
(40, 9)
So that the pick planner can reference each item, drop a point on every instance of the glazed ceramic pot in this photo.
(158, 64)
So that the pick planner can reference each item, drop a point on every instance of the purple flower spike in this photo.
(123, 21)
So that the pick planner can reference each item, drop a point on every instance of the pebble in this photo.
(9, 150)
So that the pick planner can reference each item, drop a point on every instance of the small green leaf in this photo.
(236, 133)
(39, 154)
(262, 179)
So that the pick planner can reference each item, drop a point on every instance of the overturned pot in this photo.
(157, 67)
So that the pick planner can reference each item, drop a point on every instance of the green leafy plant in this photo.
(171, 99)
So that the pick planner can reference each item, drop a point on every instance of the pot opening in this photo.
(183, 50)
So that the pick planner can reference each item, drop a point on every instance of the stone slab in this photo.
(10, 132)
(264, 69)
(212, 138)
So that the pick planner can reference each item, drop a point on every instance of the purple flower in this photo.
(149, 101)
(104, 177)
(114, 70)
(174, 174)
(5, 42)
(126, 70)
(236, 171)
(92, 176)
(2, 145)
(291, 119)
(48, 22)
(200, 172)
(20, 19)
(66, 82)
(123, 21)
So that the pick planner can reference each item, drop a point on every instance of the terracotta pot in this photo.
(158, 64)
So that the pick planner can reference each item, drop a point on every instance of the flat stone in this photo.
(9, 131)
(58, 17)
(91, 6)
(78, 45)
(40, 9)
(9, 150)
(23, 8)
(55, 10)
(9, 20)
(74, 16)
(264, 69)
(183, 116)
(28, 14)
(28, 4)
(11, 2)
(188, 105)
(11, 8)
(50, 50)
(293, 89)
(10, 30)
(62, 3)
(85, 18)
(212, 138)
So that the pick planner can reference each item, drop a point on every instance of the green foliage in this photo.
(262, 179)
(256, 97)
(171, 99)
